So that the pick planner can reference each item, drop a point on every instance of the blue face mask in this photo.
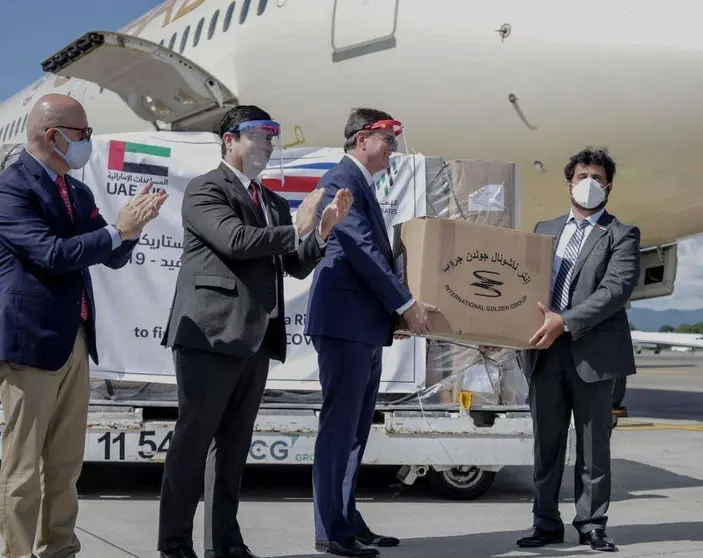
(78, 153)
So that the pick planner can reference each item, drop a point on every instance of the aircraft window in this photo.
(24, 122)
(245, 11)
(2, 129)
(161, 42)
(213, 25)
(184, 38)
(172, 42)
(7, 129)
(12, 130)
(262, 7)
(228, 17)
(198, 31)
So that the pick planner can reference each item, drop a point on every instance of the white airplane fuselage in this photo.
(530, 82)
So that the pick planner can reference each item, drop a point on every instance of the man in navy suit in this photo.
(51, 232)
(354, 301)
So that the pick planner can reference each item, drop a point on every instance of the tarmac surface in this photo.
(656, 509)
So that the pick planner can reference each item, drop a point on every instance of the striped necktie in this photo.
(561, 293)
(63, 190)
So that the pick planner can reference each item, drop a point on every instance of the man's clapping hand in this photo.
(139, 210)
(306, 217)
(336, 211)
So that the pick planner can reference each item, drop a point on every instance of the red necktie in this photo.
(63, 190)
(254, 188)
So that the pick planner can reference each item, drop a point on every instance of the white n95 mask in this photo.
(588, 193)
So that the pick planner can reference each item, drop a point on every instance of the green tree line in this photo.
(683, 328)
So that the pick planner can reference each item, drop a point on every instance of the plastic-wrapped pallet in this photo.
(483, 192)
(457, 374)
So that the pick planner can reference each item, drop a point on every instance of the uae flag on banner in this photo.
(139, 158)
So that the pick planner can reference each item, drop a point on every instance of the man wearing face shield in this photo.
(583, 345)
(51, 232)
(354, 302)
(227, 320)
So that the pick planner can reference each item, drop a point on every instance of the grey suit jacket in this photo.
(604, 277)
(226, 286)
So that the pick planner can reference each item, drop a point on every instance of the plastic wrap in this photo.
(469, 377)
(483, 192)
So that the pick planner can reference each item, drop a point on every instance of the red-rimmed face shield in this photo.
(380, 142)
(386, 153)
(388, 131)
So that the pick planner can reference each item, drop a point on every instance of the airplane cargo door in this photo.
(361, 27)
(159, 85)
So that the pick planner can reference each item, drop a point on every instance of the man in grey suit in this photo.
(226, 321)
(582, 346)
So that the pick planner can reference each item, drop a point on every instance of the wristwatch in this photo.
(120, 232)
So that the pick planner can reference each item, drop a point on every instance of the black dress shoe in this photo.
(347, 547)
(539, 537)
(598, 539)
(231, 552)
(369, 538)
(183, 552)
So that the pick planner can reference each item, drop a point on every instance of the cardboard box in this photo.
(485, 280)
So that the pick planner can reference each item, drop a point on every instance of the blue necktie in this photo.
(560, 295)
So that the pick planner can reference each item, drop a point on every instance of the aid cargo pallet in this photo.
(459, 453)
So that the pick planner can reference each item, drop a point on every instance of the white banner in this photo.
(133, 303)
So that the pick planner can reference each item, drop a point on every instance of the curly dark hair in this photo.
(590, 156)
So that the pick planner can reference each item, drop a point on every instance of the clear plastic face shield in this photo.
(257, 141)
(387, 149)
(389, 136)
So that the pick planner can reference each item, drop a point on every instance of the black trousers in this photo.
(557, 391)
(218, 401)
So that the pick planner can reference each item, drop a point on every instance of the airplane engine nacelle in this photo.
(657, 272)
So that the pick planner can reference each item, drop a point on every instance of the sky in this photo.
(53, 25)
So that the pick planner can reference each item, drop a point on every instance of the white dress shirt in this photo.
(569, 230)
(369, 180)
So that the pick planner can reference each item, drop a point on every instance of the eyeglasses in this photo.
(83, 133)
(391, 141)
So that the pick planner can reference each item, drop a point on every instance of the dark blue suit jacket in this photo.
(354, 292)
(44, 261)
